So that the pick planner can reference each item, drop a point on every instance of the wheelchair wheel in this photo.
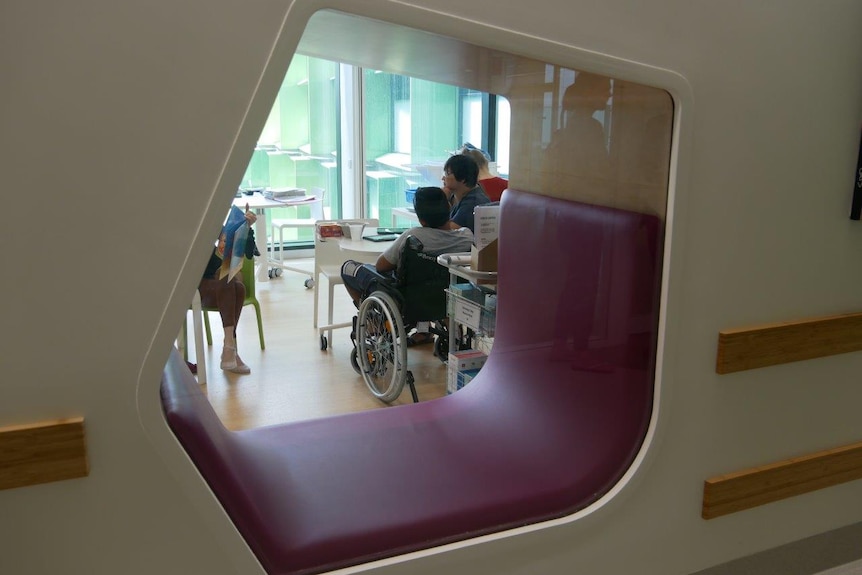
(381, 343)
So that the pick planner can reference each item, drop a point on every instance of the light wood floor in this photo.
(293, 379)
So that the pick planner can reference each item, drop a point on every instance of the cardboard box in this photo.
(332, 230)
(460, 362)
(465, 377)
(483, 255)
(468, 291)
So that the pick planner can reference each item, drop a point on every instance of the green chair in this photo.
(250, 298)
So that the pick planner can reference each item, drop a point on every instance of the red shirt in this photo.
(494, 187)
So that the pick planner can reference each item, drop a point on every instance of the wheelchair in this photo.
(387, 313)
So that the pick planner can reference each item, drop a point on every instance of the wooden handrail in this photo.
(759, 485)
(784, 342)
(42, 452)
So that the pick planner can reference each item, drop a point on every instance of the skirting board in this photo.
(42, 452)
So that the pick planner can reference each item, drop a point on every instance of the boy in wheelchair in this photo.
(404, 287)
(411, 282)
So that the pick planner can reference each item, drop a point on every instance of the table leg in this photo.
(200, 351)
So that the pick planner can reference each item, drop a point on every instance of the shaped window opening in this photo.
(559, 412)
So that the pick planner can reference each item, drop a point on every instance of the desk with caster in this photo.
(272, 267)
(329, 254)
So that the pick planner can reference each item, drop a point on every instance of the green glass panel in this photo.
(379, 115)
(323, 104)
(434, 113)
(282, 169)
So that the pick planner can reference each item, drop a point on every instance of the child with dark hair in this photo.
(460, 182)
(436, 233)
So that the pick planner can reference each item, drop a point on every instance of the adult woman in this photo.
(227, 295)
(494, 186)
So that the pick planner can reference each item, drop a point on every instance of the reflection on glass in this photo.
(608, 143)
(549, 129)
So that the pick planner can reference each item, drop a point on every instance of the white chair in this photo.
(200, 353)
(279, 225)
(328, 258)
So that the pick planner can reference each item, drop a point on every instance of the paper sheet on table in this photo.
(294, 200)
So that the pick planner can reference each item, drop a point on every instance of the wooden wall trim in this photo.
(42, 452)
(773, 344)
(759, 485)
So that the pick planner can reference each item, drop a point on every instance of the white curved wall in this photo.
(118, 123)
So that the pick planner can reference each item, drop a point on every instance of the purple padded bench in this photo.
(551, 422)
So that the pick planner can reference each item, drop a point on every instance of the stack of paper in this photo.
(283, 193)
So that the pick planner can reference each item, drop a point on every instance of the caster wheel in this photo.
(277, 272)
(354, 361)
(309, 283)
(271, 273)
(324, 343)
(441, 348)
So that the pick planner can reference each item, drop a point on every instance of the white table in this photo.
(363, 250)
(260, 205)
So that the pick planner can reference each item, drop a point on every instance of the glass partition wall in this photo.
(409, 127)
(298, 146)
(366, 121)
(363, 136)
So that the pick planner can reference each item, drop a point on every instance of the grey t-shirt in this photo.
(434, 240)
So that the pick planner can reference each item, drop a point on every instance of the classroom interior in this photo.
(400, 124)
(293, 379)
